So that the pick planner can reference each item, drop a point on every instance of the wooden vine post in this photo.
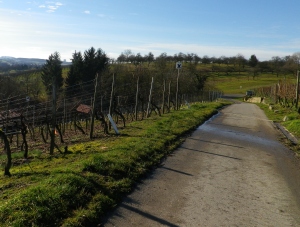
(111, 99)
(47, 125)
(169, 94)
(53, 120)
(94, 108)
(136, 99)
(111, 95)
(8, 153)
(163, 97)
(149, 101)
(33, 119)
(65, 117)
(24, 132)
(297, 90)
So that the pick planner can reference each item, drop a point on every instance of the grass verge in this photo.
(287, 117)
(77, 188)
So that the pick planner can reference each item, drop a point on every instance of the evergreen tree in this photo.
(101, 61)
(75, 75)
(94, 62)
(52, 72)
(89, 64)
(253, 61)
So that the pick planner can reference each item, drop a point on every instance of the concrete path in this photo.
(231, 171)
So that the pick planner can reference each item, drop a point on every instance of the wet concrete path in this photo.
(232, 171)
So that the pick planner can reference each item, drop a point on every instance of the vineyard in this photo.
(284, 93)
(82, 112)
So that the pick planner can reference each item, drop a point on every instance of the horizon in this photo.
(36, 29)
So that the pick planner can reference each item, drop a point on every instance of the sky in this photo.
(36, 29)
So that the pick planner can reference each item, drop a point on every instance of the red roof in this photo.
(84, 108)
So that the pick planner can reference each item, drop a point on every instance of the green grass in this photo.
(277, 114)
(239, 84)
(76, 189)
(293, 126)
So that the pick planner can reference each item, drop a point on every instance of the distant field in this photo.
(239, 84)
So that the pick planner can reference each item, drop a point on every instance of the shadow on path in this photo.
(149, 216)
(177, 171)
(215, 142)
(224, 156)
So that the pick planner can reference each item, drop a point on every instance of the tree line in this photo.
(86, 65)
(277, 64)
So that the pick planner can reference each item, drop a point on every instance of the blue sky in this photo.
(36, 29)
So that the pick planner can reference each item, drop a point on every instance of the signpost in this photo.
(178, 67)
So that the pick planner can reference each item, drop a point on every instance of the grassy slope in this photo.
(75, 189)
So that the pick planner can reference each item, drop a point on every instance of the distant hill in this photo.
(6, 60)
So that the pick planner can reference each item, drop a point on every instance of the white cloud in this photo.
(87, 12)
(51, 6)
